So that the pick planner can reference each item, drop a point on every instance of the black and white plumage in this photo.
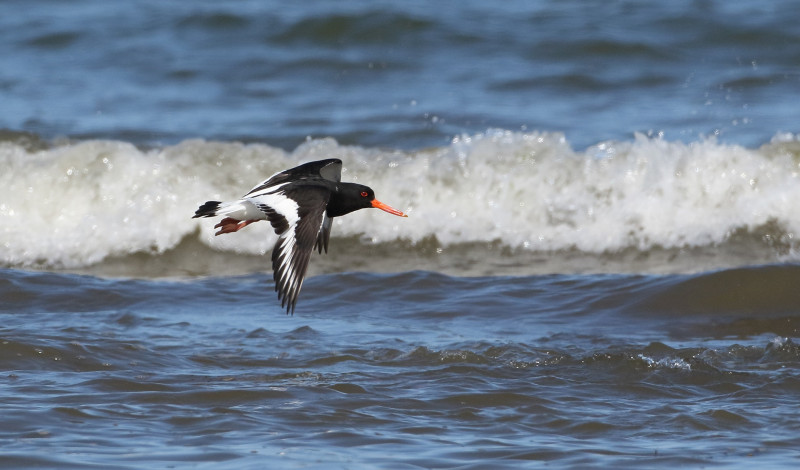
(300, 203)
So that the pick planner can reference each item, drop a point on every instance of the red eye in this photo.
(364, 194)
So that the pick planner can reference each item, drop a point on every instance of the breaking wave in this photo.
(74, 204)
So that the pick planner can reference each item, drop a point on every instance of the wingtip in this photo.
(207, 209)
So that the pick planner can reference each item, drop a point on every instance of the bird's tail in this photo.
(238, 210)
(211, 209)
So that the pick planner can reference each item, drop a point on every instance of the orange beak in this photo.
(385, 207)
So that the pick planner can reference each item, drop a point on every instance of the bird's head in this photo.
(351, 197)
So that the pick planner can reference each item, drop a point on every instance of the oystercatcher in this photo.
(300, 203)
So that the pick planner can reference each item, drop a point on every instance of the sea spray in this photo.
(75, 204)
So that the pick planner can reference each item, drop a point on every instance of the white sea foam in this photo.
(76, 204)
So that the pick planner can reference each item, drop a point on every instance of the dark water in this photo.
(410, 370)
(399, 74)
(599, 269)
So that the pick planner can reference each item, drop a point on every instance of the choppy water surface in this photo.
(414, 370)
(399, 74)
(599, 269)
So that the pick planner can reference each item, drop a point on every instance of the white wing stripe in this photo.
(281, 204)
(265, 191)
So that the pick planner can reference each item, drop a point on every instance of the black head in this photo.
(349, 197)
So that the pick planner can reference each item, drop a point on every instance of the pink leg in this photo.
(229, 225)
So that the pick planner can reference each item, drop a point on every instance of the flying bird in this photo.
(300, 203)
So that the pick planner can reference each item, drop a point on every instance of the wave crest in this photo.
(75, 204)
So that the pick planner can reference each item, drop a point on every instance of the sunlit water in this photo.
(599, 267)
(404, 370)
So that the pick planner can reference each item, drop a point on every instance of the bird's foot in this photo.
(230, 225)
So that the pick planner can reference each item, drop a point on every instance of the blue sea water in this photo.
(598, 270)
(399, 75)
(408, 370)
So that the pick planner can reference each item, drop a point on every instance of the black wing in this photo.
(330, 169)
(324, 233)
(296, 241)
